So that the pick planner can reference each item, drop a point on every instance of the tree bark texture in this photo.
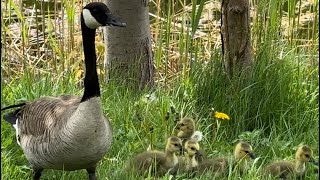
(235, 31)
(129, 56)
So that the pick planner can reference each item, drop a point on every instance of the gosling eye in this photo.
(246, 152)
(307, 155)
(176, 145)
(192, 148)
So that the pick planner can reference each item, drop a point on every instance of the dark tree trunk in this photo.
(129, 56)
(235, 31)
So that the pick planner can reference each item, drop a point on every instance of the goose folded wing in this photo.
(46, 114)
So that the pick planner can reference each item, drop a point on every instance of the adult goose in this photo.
(68, 132)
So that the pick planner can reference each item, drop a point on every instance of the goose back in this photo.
(62, 133)
(46, 114)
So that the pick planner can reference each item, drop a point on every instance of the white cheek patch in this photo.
(89, 20)
(17, 131)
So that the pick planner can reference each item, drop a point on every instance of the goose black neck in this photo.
(91, 81)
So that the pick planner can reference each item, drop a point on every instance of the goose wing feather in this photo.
(46, 114)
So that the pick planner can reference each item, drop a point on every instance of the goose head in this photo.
(174, 144)
(186, 128)
(97, 14)
(192, 148)
(305, 154)
(243, 151)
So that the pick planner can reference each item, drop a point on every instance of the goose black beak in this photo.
(178, 127)
(113, 21)
(252, 155)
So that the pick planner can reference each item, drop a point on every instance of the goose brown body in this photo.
(62, 140)
(68, 132)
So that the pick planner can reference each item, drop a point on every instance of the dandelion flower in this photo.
(221, 115)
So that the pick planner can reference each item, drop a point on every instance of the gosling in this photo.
(188, 161)
(242, 153)
(288, 169)
(186, 130)
(159, 162)
(186, 127)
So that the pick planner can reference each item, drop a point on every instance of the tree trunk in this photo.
(129, 55)
(235, 31)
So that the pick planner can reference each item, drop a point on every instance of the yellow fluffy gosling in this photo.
(188, 161)
(287, 169)
(187, 130)
(159, 162)
(242, 153)
(186, 127)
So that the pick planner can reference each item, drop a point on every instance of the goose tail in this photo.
(12, 117)
(13, 106)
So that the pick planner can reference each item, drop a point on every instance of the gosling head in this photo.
(186, 128)
(305, 154)
(243, 151)
(97, 14)
(192, 148)
(174, 144)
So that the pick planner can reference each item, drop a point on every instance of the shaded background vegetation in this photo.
(274, 106)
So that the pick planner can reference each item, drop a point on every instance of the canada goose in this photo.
(188, 161)
(160, 162)
(192, 149)
(242, 152)
(285, 169)
(68, 132)
(187, 129)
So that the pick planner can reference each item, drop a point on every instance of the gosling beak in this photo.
(199, 153)
(252, 155)
(180, 149)
(313, 161)
(113, 21)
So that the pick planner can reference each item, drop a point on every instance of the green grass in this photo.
(273, 104)
(133, 116)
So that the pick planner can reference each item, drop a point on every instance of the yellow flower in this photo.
(221, 115)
